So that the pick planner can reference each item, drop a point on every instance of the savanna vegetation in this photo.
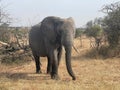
(95, 56)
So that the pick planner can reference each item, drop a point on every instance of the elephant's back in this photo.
(34, 34)
(51, 19)
(36, 41)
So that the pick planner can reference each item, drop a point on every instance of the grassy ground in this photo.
(92, 74)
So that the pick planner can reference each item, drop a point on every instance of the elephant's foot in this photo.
(55, 77)
(73, 78)
(38, 71)
(48, 72)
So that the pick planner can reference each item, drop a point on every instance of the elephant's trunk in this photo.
(68, 61)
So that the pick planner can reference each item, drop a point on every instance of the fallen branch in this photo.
(4, 44)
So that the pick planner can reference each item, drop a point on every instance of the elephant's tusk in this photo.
(75, 49)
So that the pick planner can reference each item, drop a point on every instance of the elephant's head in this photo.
(67, 32)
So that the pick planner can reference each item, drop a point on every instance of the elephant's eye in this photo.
(60, 33)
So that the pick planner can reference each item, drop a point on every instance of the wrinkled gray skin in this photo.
(46, 40)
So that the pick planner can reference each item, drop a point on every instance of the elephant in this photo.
(47, 38)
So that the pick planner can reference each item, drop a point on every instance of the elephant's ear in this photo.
(50, 28)
(72, 23)
(58, 26)
(70, 19)
(58, 31)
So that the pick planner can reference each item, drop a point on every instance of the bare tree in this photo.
(112, 23)
(4, 22)
(4, 16)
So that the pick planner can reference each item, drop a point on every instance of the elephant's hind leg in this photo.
(37, 62)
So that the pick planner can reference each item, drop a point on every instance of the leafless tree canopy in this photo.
(110, 8)
(4, 16)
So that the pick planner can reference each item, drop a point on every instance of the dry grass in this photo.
(91, 74)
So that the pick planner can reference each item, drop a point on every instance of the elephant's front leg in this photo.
(49, 65)
(59, 54)
(54, 73)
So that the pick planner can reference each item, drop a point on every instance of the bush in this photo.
(16, 57)
(104, 52)
(108, 52)
(79, 32)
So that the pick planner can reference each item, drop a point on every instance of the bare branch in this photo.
(4, 16)
(111, 7)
